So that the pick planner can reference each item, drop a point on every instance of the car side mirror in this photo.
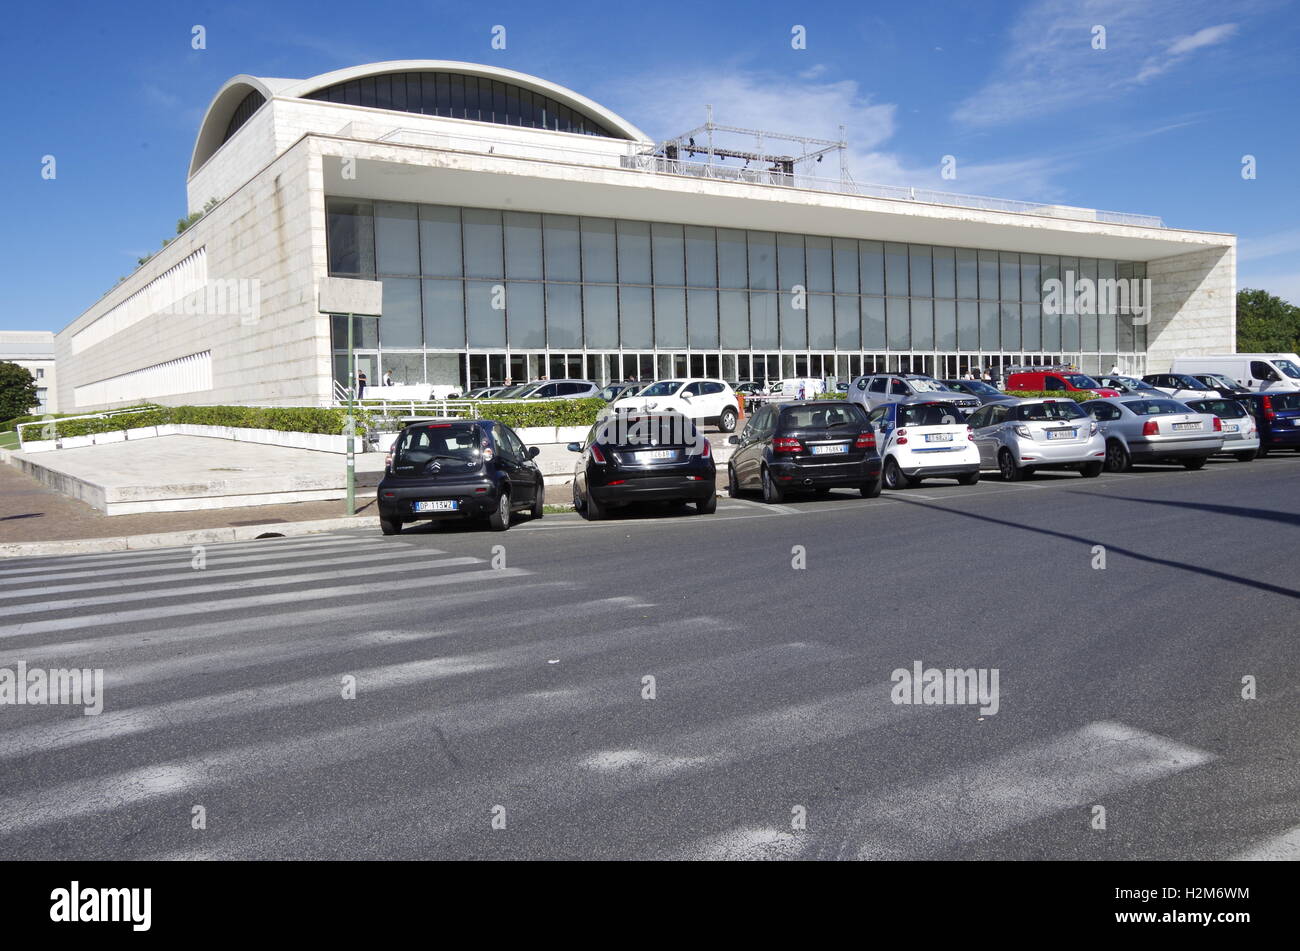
(533, 452)
(686, 396)
(733, 440)
(572, 447)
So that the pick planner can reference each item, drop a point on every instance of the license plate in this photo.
(1229, 427)
(1060, 434)
(447, 506)
(1184, 426)
(938, 437)
(829, 450)
(653, 455)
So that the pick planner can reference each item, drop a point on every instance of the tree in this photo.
(17, 391)
(1265, 323)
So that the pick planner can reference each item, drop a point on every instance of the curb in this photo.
(202, 536)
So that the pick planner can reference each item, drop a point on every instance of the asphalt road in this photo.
(515, 691)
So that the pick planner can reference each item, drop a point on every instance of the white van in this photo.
(1256, 371)
(789, 388)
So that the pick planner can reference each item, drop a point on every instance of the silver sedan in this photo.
(1018, 436)
(1141, 429)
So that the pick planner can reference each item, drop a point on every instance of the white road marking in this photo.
(1284, 847)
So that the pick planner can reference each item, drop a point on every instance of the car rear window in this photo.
(669, 429)
(1043, 412)
(422, 444)
(1079, 381)
(1228, 409)
(1155, 407)
(1285, 400)
(821, 417)
(929, 414)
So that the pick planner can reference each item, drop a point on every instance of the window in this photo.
(878, 384)
(899, 388)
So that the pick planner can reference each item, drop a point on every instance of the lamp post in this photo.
(352, 424)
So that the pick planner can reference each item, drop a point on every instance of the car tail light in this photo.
(1218, 425)
(970, 434)
(616, 482)
(708, 450)
(786, 444)
(597, 456)
(1092, 428)
(388, 459)
(1268, 409)
(1024, 431)
(865, 440)
(902, 432)
(1150, 428)
(901, 440)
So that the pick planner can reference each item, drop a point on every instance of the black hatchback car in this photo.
(650, 457)
(809, 445)
(458, 469)
(1277, 414)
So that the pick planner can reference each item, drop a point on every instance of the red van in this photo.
(1054, 379)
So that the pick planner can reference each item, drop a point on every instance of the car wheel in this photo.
(578, 502)
(707, 506)
(539, 503)
(1194, 464)
(870, 490)
(500, 519)
(390, 526)
(1007, 466)
(592, 510)
(727, 421)
(969, 478)
(1091, 470)
(1117, 458)
(894, 477)
(1248, 456)
(772, 493)
(733, 484)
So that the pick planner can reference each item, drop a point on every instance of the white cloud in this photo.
(1050, 64)
(1179, 49)
(1269, 245)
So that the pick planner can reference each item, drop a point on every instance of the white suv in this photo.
(705, 401)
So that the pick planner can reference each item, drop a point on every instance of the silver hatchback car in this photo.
(1019, 436)
(1141, 429)
(878, 389)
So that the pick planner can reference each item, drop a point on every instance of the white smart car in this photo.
(924, 438)
(705, 401)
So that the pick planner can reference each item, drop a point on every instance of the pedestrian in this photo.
(1114, 370)
(361, 384)
(388, 378)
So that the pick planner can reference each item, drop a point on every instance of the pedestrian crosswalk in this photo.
(354, 696)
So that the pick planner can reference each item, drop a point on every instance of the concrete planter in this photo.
(116, 436)
(76, 442)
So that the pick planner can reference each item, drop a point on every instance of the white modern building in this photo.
(34, 351)
(520, 229)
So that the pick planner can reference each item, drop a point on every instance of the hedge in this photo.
(1078, 397)
(520, 414)
(289, 419)
(9, 425)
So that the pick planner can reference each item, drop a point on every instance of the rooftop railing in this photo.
(633, 156)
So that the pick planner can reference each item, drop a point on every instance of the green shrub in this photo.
(1065, 394)
(288, 419)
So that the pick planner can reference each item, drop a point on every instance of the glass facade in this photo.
(458, 96)
(477, 296)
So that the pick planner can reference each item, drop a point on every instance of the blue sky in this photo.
(1156, 123)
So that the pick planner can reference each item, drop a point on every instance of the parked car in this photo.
(615, 391)
(516, 391)
(1142, 429)
(484, 393)
(1257, 372)
(1240, 434)
(808, 445)
(457, 469)
(1180, 386)
(1020, 436)
(984, 392)
(1277, 418)
(924, 438)
(561, 389)
(1130, 386)
(658, 457)
(1221, 384)
(1051, 380)
(703, 400)
(877, 389)
(748, 388)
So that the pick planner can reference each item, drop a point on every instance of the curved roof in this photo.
(221, 110)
